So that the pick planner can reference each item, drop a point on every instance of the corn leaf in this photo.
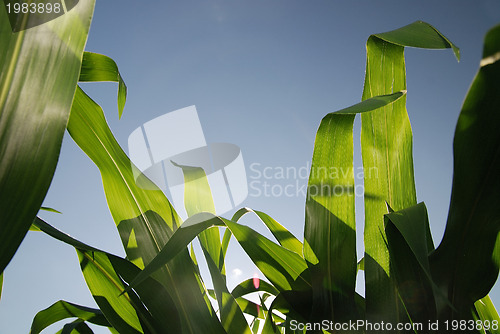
(97, 67)
(39, 71)
(151, 303)
(386, 148)
(282, 235)
(248, 286)
(329, 233)
(62, 310)
(144, 217)
(465, 265)
(76, 327)
(407, 234)
(197, 199)
(487, 313)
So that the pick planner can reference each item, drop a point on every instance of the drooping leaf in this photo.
(156, 309)
(248, 286)
(98, 67)
(284, 237)
(386, 147)
(329, 233)
(62, 310)
(39, 70)
(145, 218)
(463, 264)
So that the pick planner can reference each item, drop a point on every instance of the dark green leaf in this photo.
(407, 233)
(39, 71)
(463, 264)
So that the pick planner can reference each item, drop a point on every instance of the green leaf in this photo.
(330, 237)
(282, 267)
(145, 218)
(463, 265)
(40, 69)
(487, 313)
(62, 310)
(97, 67)
(44, 208)
(419, 35)
(197, 199)
(154, 303)
(284, 237)
(386, 147)
(248, 286)
(76, 327)
(106, 287)
(231, 315)
(407, 234)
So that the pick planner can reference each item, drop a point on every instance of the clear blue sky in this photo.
(262, 74)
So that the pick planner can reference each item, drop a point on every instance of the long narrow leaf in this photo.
(39, 70)
(158, 313)
(145, 218)
(97, 67)
(62, 310)
(284, 237)
(463, 264)
(329, 234)
(386, 147)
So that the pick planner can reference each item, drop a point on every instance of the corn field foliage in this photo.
(309, 285)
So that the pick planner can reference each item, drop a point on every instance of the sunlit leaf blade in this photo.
(106, 286)
(39, 71)
(487, 313)
(282, 267)
(463, 264)
(330, 237)
(63, 310)
(197, 199)
(282, 235)
(98, 67)
(231, 315)
(386, 147)
(157, 302)
(226, 238)
(145, 218)
(407, 232)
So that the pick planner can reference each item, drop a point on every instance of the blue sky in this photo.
(262, 74)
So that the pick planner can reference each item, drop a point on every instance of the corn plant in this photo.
(158, 287)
